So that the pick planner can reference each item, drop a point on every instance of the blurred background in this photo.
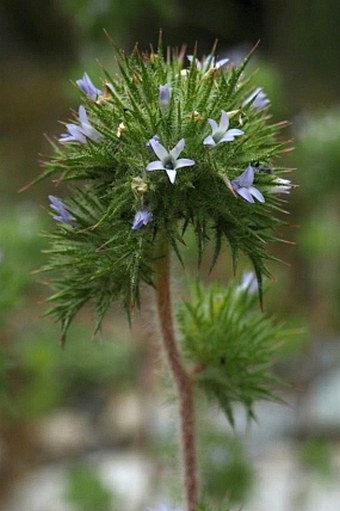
(93, 427)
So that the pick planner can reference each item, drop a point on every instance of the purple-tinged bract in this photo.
(207, 63)
(64, 216)
(258, 99)
(155, 138)
(85, 84)
(80, 133)
(164, 95)
(243, 185)
(142, 217)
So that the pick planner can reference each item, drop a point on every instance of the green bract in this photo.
(101, 257)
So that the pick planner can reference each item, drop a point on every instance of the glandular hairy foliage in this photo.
(98, 256)
(232, 344)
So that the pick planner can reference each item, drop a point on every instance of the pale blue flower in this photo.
(80, 133)
(165, 507)
(220, 132)
(207, 63)
(64, 216)
(168, 160)
(142, 217)
(85, 84)
(243, 185)
(248, 283)
(164, 95)
(258, 99)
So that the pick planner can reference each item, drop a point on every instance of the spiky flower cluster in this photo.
(163, 146)
(231, 342)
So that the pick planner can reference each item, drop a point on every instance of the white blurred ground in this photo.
(282, 483)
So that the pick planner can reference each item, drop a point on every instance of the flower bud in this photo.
(164, 95)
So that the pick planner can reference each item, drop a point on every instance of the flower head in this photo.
(64, 216)
(207, 63)
(220, 132)
(80, 133)
(164, 95)
(142, 217)
(85, 84)
(258, 99)
(243, 185)
(168, 160)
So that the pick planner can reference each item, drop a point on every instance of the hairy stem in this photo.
(182, 380)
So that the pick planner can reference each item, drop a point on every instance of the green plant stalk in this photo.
(182, 379)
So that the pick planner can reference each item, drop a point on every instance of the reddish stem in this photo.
(182, 379)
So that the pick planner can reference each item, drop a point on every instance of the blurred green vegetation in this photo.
(118, 18)
(47, 377)
(317, 157)
(37, 374)
(20, 247)
(225, 465)
(86, 491)
(223, 459)
(315, 455)
(37, 377)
